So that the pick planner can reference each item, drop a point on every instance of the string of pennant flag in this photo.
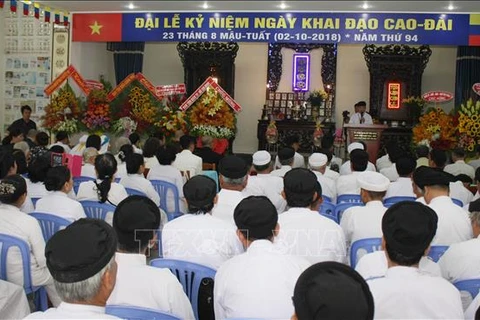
(59, 17)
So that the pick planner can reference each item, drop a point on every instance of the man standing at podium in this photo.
(361, 116)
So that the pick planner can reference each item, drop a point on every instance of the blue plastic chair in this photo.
(212, 174)
(341, 207)
(327, 209)
(163, 188)
(136, 313)
(7, 242)
(327, 199)
(50, 223)
(472, 286)
(78, 180)
(34, 201)
(369, 245)
(96, 210)
(436, 252)
(388, 202)
(117, 180)
(190, 276)
(134, 192)
(349, 198)
(458, 202)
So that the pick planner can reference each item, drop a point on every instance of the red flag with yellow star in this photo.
(97, 27)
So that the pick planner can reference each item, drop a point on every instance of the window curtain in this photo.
(127, 58)
(468, 73)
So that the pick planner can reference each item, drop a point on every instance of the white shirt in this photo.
(65, 147)
(121, 170)
(72, 311)
(15, 223)
(363, 222)
(355, 119)
(59, 204)
(269, 186)
(474, 163)
(375, 265)
(13, 301)
(187, 161)
(459, 192)
(226, 204)
(151, 162)
(348, 184)
(298, 161)
(453, 222)
(36, 190)
(460, 167)
(329, 187)
(27, 206)
(329, 173)
(201, 239)
(141, 285)
(461, 261)
(257, 284)
(88, 170)
(346, 168)
(472, 308)
(391, 173)
(281, 172)
(172, 175)
(305, 233)
(401, 188)
(138, 182)
(408, 293)
(383, 162)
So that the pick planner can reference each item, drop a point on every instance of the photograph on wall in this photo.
(9, 64)
(9, 92)
(9, 77)
(39, 92)
(17, 64)
(43, 63)
(43, 78)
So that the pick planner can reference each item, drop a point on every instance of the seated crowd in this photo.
(276, 231)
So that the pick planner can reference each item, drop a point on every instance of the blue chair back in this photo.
(96, 210)
(34, 201)
(78, 180)
(163, 189)
(117, 180)
(327, 199)
(136, 313)
(212, 174)
(327, 209)
(458, 202)
(360, 247)
(341, 207)
(134, 192)
(388, 202)
(471, 286)
(7, 242)
(436, 252)
(190, 276)
(49, 223)
(349, 198)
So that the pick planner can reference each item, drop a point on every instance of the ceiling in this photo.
(269, 6)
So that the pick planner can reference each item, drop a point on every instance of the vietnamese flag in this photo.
(97, 27)
(13, 5)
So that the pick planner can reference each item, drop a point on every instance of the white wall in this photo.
(92, 59)
(161, 63)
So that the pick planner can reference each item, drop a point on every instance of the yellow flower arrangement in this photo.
(435, 127)
(469, 125)
(142, 108)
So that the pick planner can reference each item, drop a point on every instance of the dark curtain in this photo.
(468, 73)
(127, 58)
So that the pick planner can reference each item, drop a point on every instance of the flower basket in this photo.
(271, 135)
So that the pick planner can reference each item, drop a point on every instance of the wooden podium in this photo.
(368, 133)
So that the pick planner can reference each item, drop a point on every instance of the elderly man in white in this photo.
(347, 184)
(186, 160)
(317, 162)
(459, 166)
(346, 167)
(286, 157)
(88, 167)
(403, 187)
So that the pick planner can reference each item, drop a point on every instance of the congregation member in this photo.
(405, 292)
(233, 179)
(22, 146)
(327, 146)
(150, 149)
(437, 159)
(59, 183)
(331, 291)
(136, 180)
(206, 152)
(364, 222)
(165, 171)
(317, 162)
(422, 152)
(42, 139)
(465, 180)
(186, 160)
(56, 149)
(61, 139)
(124, 152)
(347, 184)
(20, 161)
(329, 173)
(37, 171)
(13, 222)
(346, 168)
(31, 138)
(477, 179)
(461, 260)
(198, 236)
(81, 259)
(298, 160)
(475, 163)
(13, 137)
(361, 115)
(384, 161)
(303, 231)
(94, 141)
(390, 172)
(263, 183)
(24, 124)
(403, 187)
(264, 279)
(135, 141)
(88, 166)
(459, 166)
(453, 223)
(286, 158)
(135, 222)
(459, 192)
(13, 301)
